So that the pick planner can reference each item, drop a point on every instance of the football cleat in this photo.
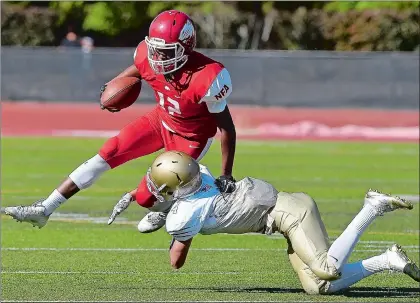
(399, 261)
(33, 214)
(383, 203)
(152, 222)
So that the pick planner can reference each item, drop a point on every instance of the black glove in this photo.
(226, 184)
(103, 87)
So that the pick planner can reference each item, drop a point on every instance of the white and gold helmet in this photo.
(173, 175)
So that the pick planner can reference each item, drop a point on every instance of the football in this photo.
(120, 93)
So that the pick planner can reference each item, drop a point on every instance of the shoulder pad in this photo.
(183, 221)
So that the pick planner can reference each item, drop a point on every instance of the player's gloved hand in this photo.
(122, 205)
(226, 184)
(103, 87)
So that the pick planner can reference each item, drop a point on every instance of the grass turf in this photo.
(78, 258)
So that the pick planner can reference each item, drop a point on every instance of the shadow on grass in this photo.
(356, 292)
(275, 290)
(383, 292)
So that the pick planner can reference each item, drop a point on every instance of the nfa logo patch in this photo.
(222, 92)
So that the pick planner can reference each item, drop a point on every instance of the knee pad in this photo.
(87, 173)
(316, 288)
(327, 273)
(312, 284)
(311, 287)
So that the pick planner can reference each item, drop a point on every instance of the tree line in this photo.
(294, 25)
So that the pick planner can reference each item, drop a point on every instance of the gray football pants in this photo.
(297, 217)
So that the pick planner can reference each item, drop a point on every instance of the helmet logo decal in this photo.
(186, 32)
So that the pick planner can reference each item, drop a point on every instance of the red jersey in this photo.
(184, 108)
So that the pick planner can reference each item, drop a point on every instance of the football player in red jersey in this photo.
(191, 90)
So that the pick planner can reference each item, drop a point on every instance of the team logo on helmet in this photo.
(187, 32)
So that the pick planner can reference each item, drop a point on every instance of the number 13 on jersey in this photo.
(172, 107)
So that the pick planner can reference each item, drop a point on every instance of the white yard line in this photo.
(24, 272)
(29, 272)
(137, 301)
(411, 248)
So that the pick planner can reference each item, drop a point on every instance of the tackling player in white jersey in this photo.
(198, 207)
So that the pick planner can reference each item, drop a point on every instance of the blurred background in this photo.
(279, 53)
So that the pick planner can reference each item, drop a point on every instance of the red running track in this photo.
(86, 119)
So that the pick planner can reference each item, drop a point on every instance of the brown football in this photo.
(121, 92)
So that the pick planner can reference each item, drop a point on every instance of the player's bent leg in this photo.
(310, 282)
(394, 259)
(376, 204)
(82, 177)
(137, 139)
(297, 217)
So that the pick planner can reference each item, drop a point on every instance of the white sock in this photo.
(354, 272)
(54, 200)
(375, 264)
(342, 247)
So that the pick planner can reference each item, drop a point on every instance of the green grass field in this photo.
(80, 258)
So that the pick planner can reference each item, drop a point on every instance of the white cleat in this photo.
(33, 214)
(152, 222)
(383, 203)
(399, 261)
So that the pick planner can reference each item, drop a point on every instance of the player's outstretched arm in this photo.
(182, 223)
(216, 99)
(122, 205)
(228, 145)
(228, 140)
(178, 252)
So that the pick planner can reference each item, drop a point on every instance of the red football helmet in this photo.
(171, 39)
